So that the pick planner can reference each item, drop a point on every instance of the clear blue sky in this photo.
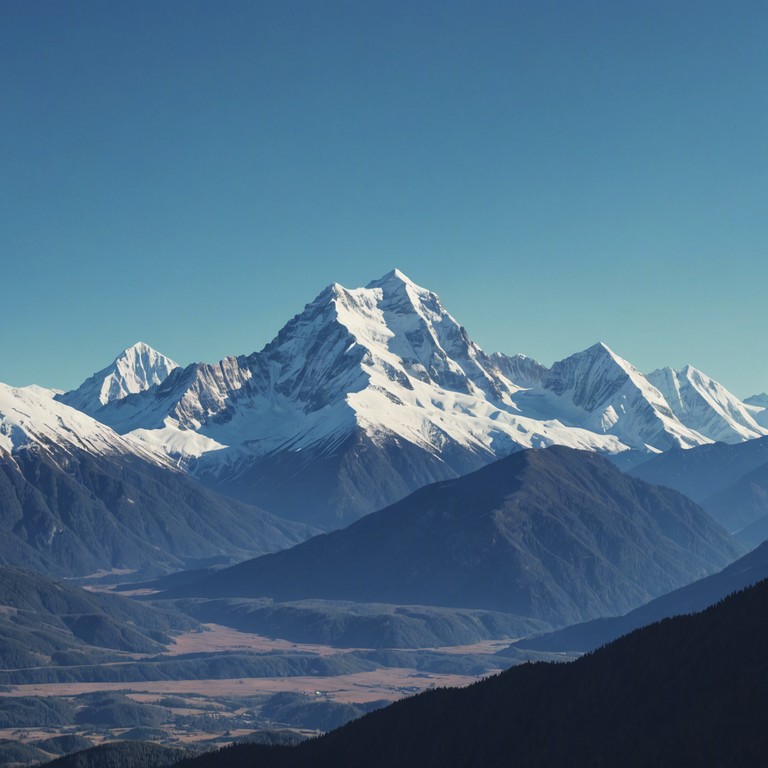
(192, 173)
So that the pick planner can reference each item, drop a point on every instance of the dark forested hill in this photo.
(688, 691)
(130, 754)
(43, 621)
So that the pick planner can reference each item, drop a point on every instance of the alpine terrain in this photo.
(728, 481)
(371, 393)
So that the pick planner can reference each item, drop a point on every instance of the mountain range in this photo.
(465, 497)
(371, 393)
(364, 397)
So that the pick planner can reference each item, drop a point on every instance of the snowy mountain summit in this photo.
(136, 369)
(697, 399)
(370, 393)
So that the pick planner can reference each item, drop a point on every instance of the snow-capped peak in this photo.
(134, 370)
(600, 390)
(392, 278)
(705, 405)
(388, 362)
(394, 325)
(593, 376)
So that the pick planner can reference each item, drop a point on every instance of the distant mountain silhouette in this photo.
(728, 481)
(743, 507)
(705, 470)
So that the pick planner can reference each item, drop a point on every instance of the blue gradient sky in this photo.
(192, 173)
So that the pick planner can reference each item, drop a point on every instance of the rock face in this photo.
(556, 534)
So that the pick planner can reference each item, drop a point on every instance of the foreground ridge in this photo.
(613, 707)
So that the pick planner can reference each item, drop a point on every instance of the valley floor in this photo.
(208, 713)
(388, 684)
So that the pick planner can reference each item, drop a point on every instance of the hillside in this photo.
(589, 635)
(557, 534)
(45, 622)
(76, 498)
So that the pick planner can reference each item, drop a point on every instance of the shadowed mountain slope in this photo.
(743, 507)
(77, 498)
(555, 534)
(99, 512)
(589, 635)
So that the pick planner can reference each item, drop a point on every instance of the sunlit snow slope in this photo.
(136, 369)
(31, 418)
(706, 406)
